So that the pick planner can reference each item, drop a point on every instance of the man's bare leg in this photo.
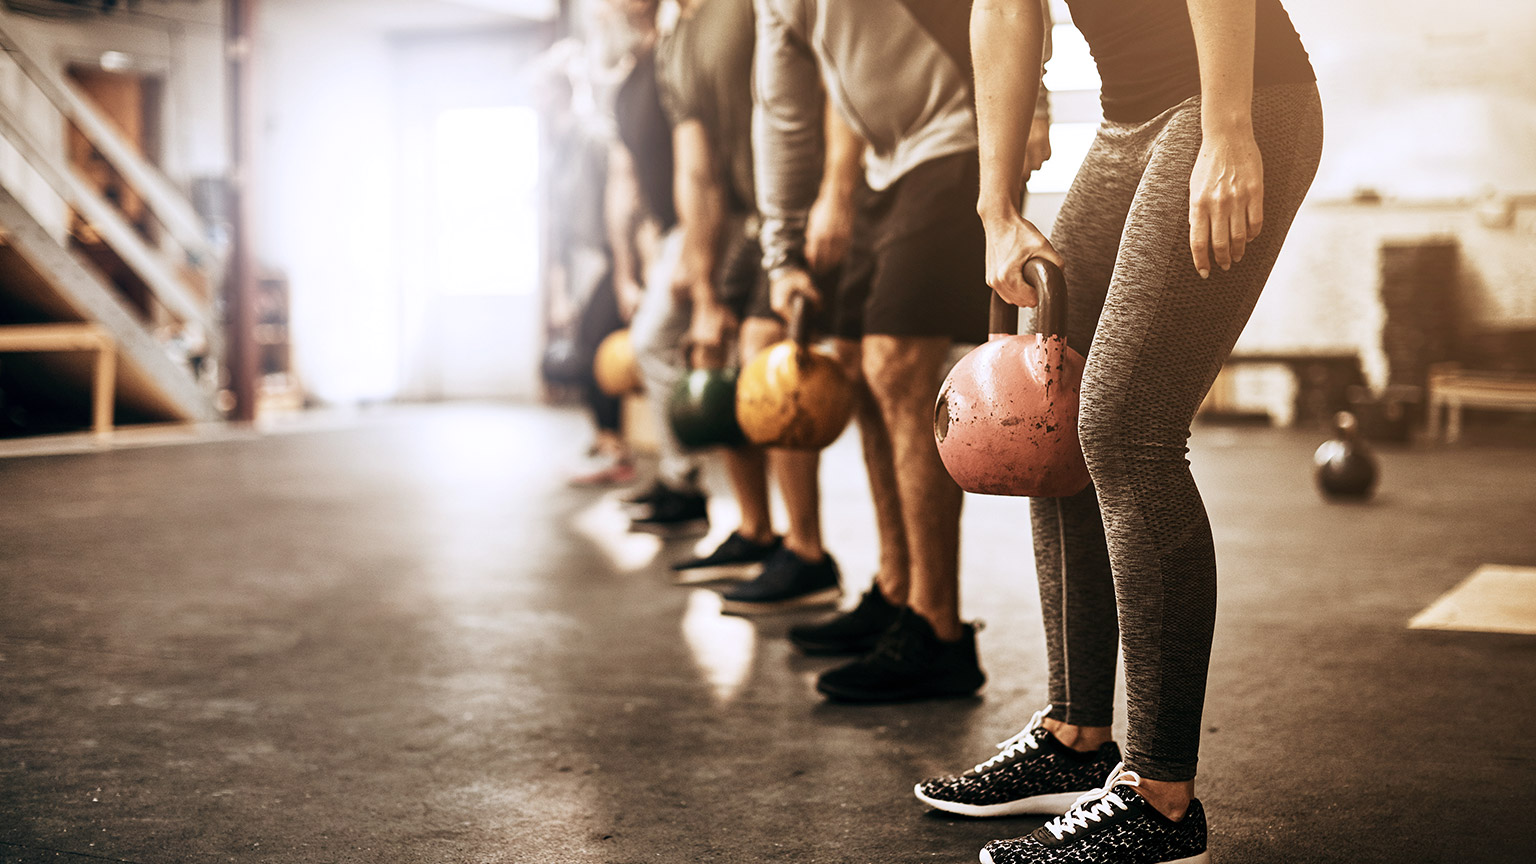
(747, 468)
(880, 463)
(794, 470)
(903, 375)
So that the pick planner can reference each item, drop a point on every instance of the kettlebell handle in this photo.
(1050, 315)
(799, 329)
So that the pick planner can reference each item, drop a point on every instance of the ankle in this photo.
(947, 627)
(1169, 797)
(895, 593)
(760, 534)
(809, 552)
(1083, 739)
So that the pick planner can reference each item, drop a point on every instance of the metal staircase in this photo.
(167, 344)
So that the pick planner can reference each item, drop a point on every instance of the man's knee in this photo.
(850, 357)
(899, 367)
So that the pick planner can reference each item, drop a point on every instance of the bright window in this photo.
(486, 225)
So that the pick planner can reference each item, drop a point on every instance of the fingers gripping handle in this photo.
(1050, 315)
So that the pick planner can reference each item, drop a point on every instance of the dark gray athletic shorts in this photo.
(917, 266)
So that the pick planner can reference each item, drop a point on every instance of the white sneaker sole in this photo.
(1053, 804)
(720, 573)
(1202, 858)
(824, 597)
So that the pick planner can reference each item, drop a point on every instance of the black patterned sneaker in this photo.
(736, 558)
(1110, 824)
(787, 582)
(853, 632)
(1034, 773)
(909, 662)
(675, 513)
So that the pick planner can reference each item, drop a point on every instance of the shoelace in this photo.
(1025, 740)
(1095, 805)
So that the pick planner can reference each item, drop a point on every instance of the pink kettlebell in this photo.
(1006, 418)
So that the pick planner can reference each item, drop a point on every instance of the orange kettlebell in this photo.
(793, 395)
(1006, 417)
(614, 366)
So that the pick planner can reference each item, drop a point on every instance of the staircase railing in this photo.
(158, 268)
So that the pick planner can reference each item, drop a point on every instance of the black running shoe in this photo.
(787, 582)
(1034, 773)
(646, 497)
(1112, 825)
(909, 662)
(675, 514)
(736, 558)
(853, 632)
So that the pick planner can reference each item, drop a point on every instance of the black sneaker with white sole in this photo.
(675, 513)
(909, 662)
(852, 632)
(1034, 773)
(1110, 825)
(736, 558)
(644, 498)
(787, 582)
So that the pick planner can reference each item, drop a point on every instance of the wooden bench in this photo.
(1323, 379)
(1452, 389)
(17, 338)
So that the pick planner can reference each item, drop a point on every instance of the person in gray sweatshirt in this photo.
(899, 73)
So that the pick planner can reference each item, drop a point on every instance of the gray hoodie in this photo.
(897, 70)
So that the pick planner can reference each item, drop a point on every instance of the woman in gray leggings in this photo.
(1211, 138)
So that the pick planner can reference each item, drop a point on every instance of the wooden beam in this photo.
(240, 292)
(74, 337)
(103, 389)
(51, 337)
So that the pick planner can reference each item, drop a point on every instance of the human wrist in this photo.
(997, 208)
(785, 261)
(835, 189)
(1226, 123)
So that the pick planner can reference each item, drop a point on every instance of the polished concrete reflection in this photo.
(407, 640)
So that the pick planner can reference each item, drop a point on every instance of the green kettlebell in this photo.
(702, 411)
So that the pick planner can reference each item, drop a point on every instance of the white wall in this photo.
(1432, 106)
(338, 210)
(326, 161)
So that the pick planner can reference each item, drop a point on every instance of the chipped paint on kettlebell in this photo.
(1011, 418)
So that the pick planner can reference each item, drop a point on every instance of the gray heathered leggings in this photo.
(1137, 542)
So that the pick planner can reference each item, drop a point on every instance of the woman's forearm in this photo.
(1007, 40)
(1224, 44)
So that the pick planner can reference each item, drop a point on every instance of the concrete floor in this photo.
(407, 641)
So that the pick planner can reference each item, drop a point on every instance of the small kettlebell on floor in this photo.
(1346, 470)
